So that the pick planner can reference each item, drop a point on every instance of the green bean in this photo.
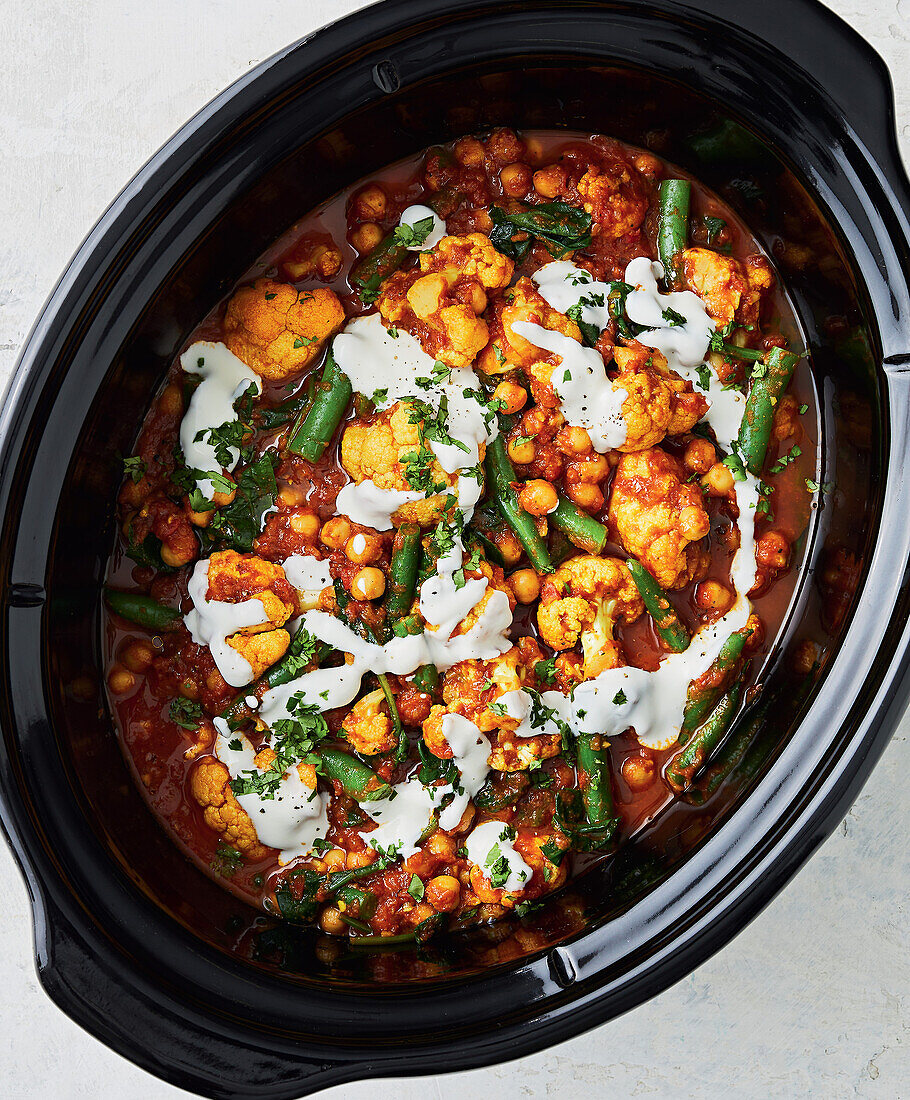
(142, 610)
(728, 759)
(410, 624)
(357, 780)
(403, 570)
(315, 427)
(496, 794)
(758, 417)
(700, 747)
(672, 225)
(421, 934)
(701, 700)
(580, 528)
(426, 679)
(594, 763)
(734, 350)
(501, 474)
(658, 606)
(337, 881)
(282, 672)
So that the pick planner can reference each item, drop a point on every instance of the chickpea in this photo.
(365, 237)
(176, 557)
(521, 452)
(138, 655)
(718, 480)
(306, 524)
(509, 547)
(334, 859)
(503, 146)
(215, 682)
(330, 921)
(692, 523)
(327, 261)
(363, 549)
(772, 550)
(370, 203)
(699, 456)
(515, 179)
(550, 181)
(512, 396)
(441, 844)
(647, 164)
(219, 499)
(443, 893)
(535, 420)
(120, 680)
(639, 772)
(469, 152)
(355, 860)
(587, 496)
(525, 585)
(171, 400)
(573, 441)
(291, 495)
(713, 596)
(368, 584)
(422, 912)
(538, 497)
(414, 707)
(335, 532)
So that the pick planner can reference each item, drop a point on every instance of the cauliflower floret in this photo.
(441, 301)
(507, 349)
(221, 811)
(584, 598)
(659, 402)
(377, 451)
(368, 727)
(616, 205)
(728, 288)
(470, 686)
(517, 754)
(279, 331)
(234, 578)
(658, 517)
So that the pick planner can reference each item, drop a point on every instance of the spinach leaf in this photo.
(240, 522)
(561, 227)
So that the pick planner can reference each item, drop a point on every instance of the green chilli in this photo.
(142, 610)
(758, 418)
(673, 226)
(315, 427)
(666, 621)
(582, 530)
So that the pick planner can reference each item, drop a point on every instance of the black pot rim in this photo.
(795, 806)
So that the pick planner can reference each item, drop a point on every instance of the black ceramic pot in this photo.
(133, 940)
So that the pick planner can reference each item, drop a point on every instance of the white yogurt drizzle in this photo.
(384, 367)
(401, 818)
(293, 819)
(224, 379)
(487, 844)
(418, 213)
(587, 397)
(212, 622)
(309, 576)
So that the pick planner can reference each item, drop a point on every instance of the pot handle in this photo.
(135, 1017)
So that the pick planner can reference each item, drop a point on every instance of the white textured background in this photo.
(810, 1001)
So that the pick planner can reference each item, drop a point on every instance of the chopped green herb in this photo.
(185, 713)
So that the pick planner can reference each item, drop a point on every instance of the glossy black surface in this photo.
(136, 943)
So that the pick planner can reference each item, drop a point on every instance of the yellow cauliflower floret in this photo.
(279, 331)
(440, 302)
(507, 349)
(375, 451)
(659, 517)
(728, 288)
(221, 811)
(234, 578)
(470, 686)
(584, 598)
(616, 206)
(660, 403)
(517, 754)
(368, 726)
